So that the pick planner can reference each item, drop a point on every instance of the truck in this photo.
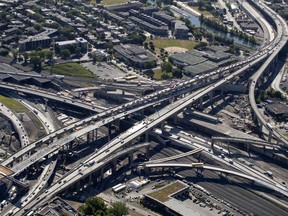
(269, 173)
(269, 126)
(58, 76)
(90, 163)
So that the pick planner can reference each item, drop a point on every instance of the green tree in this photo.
(38, 27)
(4, 52)
(149, 64)
(78, 51)
(65, 53)
(41, 54)
(118, 209)
(166, 66)
(151, 45)
(94, 206)
(49, 55)
(36, 62)
(165, 76)
(25, 56)
(14, 53)
(177, 73)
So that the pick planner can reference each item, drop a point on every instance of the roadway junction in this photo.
(183, 95)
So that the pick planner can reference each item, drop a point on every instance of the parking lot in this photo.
(104, 71)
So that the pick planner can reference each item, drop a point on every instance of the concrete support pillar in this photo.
(101, 173)
(131, 158)
(117, 121)
(175, 119)
(147, 151)
(270, 136)
(109, 132)
(88, 137)
(162, 125)
(46, 104)
(146, 136)
(200, 105)
(92, 136)
(70, 145)
(199, 157)
(211, 94)
(260, 126)
(90, 179)
(114, 165)
(37, 166)
(96, 134)
(147, 171)
(78, 185)
(228, 147)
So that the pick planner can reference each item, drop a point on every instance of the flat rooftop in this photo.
(277, 108)
(164, 193)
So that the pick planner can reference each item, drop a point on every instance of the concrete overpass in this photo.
(138, 129)
(230, 140)
(165, 113)
(174, 157)
(282, 37)
(17, 125)
(200, 166)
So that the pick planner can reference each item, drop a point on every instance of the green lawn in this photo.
(12, 104)
(164, 43)
(71, 69)
(164, 193)
(205, 13)
(158, 74)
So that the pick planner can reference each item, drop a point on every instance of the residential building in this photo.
(181, 31)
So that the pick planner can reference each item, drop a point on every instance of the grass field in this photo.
(71, 69)
(12, 104)
(164, 43)
(158, 74)
(205, 13)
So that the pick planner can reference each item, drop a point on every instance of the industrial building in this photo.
(135, 55)
(277, 109)
(167, 199)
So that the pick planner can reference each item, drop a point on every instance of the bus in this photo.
(131, 77)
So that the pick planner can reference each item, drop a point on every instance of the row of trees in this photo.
(36, 58)
(96, 206)
(270, 93)
(167, 67)
(220, 27)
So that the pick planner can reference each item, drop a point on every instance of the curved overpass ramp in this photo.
(282, 38)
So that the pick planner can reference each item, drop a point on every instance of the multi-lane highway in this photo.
(139, 128)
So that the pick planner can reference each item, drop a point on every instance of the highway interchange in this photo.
(104, 117)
